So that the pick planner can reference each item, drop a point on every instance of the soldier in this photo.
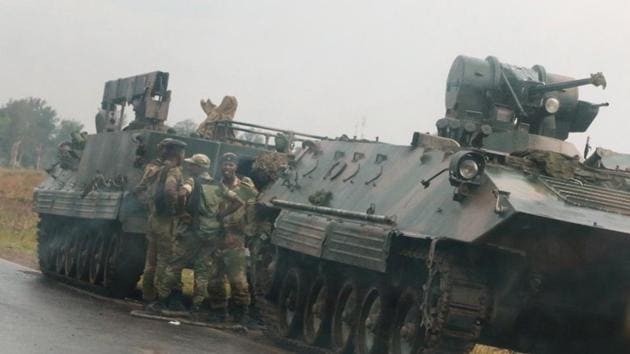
(199, 233)
(145, 192)
(162, 180)
(236, 212)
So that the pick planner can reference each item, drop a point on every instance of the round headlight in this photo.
(468, 169)
(552, 105)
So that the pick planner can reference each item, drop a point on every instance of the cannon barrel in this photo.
(597, 79)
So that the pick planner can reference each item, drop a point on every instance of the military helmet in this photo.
(200, 160)
(229, 157)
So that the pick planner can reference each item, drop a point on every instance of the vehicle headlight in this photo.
(468, 169)
(552, 105)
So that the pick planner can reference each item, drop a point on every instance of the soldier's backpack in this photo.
(162, 207)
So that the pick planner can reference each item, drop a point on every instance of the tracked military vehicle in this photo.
(491, 231)
(92, 225)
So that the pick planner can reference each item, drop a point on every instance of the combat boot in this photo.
(242, 318)
(256, 315)
(199, 312)
(176, 301)
(217, 315)
(155, 307)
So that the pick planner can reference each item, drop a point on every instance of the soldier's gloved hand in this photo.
(183, 193)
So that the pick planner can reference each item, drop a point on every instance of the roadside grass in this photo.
(18, 224)
(482, 349)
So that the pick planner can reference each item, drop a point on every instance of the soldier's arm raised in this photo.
(149, 176)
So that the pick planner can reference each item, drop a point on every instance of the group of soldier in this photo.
(194, 223)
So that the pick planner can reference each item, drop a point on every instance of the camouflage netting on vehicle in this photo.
(550, 163)
(268, 167)
(223, 112)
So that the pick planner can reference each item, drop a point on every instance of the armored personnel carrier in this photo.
(491, 231)
(92, 226)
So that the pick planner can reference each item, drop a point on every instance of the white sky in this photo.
(311, 66)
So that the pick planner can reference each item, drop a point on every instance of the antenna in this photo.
(363, 120)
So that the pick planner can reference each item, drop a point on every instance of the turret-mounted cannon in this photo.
(485, 97)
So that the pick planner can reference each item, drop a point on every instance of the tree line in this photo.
(30, 132)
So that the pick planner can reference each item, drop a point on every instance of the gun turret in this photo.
(490, 97)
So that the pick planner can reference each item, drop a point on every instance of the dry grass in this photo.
(482, 349)
(18, 224)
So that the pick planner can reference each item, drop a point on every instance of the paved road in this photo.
(38, 315)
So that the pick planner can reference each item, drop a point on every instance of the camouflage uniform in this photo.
(237, 209)
(199, 234)
(162, 228)
(145, 192)
(165, 174)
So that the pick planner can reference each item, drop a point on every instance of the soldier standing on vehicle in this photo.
(165, 201)
(236, 212)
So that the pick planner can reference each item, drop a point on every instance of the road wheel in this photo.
(59, 253)
(82, 257)
(111, 256)
(373, 323)
(345, 317)
(97, 259)
(124, 263)
(291, 303)
(405, 336)
(318, 312)
(46, 232)
(70, 254)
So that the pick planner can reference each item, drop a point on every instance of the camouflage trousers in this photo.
(231, 265)
(197, 254)
(161, 233)
(159, 239)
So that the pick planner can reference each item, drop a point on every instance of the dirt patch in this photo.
(19, 257)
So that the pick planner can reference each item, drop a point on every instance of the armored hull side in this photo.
(517, 249)
(92, 225)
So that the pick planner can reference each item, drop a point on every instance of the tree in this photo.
(185, 127)
(64, 130)
(4, 126)
(26, 130)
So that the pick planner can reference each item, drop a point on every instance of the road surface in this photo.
(38, 315)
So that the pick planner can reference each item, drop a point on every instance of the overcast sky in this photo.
(312, 66)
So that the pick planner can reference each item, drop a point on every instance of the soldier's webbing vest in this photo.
(202, 207)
